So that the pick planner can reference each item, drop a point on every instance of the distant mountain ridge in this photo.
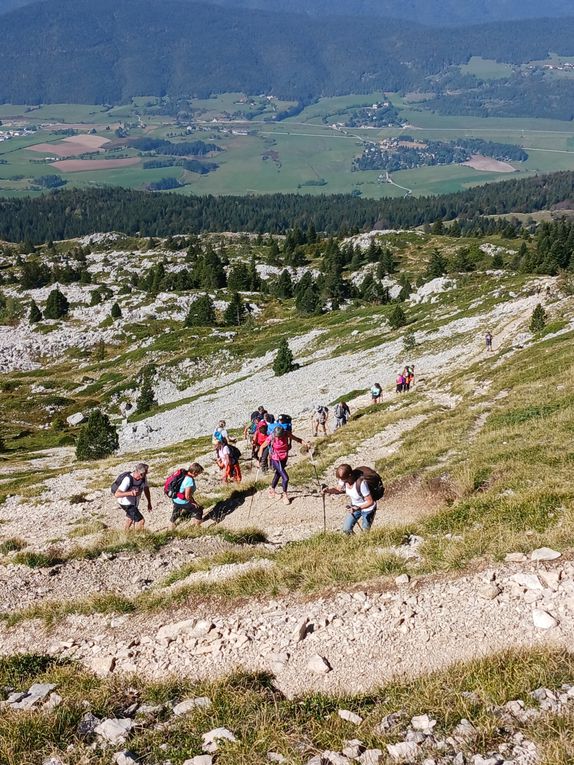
(431, 12)
(72, 51)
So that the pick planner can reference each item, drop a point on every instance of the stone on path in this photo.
(103, 665)
(200, 759)
(530, 581)
(319, 665)
(544, 553)
(515, 557)
(371, 757)
(125, 758)
(201, 702)
(351, 717)
(489, 591)
(212, 737)
(335, 758)
(114, 730)
(171, 631)
(404, 751)
(543, 620)
(423, 723)
(402, 579)
(36, 693)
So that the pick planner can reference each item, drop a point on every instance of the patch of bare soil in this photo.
(83, 165)
(488, 164)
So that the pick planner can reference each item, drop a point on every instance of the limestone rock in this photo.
(404, 751)
(515, 557)
(36, 693)
(189, 704)
(402, 579)
(200, 759)
(114, 730)
(75, 419)
(335, 758)
(353, 748)
(319, 665)
(543, 620)
(489, 591)
(423, 723)
(530, 581)
(544, 553)
(212, 737)
(125, 758)
(103, 665)
(371, 757)
(351, 717)
(276, 757)
(171, 631)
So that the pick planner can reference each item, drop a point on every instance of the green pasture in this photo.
(486, 68)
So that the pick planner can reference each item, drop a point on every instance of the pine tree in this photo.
(35, 314)
(234, 314)
(146, 399)
(98, 438)
(284, 285)
(57, 305)
(201, 313)
(239, 277)
(538, 319)
(397, 317)
(283, 361)
(436, 266)
(406, 288)
(116, 312)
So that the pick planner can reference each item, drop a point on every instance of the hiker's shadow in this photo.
(226, 506)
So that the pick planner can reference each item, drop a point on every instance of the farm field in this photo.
(301, 154)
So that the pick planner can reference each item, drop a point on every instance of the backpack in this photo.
(321, 414)
(117, 483)
(286, 421)
(235, 453)
(374, 482)
(173, 483)
(339, 411)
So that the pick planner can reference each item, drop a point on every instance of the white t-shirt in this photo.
(357, 497)
(127, 484)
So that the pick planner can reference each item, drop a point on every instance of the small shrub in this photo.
(11, 545)
(397, 317)
(283, 361)
(98, 438)
(538, 319)
(409, 341)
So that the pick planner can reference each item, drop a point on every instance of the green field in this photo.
(302, 154)
(486, 69)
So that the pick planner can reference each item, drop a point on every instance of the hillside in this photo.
(457, 605)
(110, 52)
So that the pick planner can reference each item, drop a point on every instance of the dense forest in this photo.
(110, 51)
(432, 12)
(71, 213)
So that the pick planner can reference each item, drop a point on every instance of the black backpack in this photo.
(117, 483)
(235, 453)
(374, 482)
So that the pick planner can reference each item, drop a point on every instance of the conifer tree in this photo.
(283, 361)
(201, 313)
(436, 266)
(146, 399)
(98, 438)
(116, 312)
(284, 285)
(397, 317)
(57, 305)
(35, 314)
(234, 314)
(538, 319)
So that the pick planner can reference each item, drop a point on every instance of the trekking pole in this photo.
(312, 458)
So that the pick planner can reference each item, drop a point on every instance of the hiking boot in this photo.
(285, 499)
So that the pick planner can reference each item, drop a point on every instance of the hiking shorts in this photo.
(133, 513)
(187, 510)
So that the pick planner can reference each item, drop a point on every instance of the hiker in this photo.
(128, 494)
(279, 443)
(259, 438)
(227, 456)
(400, 381)
(220, 433)
(184, 504)
(342, 414)
(254, 418)
(262, 450)
(488, 341)
(363, 486)
(319, 419)
(409, 376)
(376, 394)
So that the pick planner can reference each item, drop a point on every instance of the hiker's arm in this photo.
(368, 502)
(263, 446)
(148, 497)
(130, 493)
(333, 490)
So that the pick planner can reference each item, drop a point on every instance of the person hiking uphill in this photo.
(227, 457)
(184, 504)
(488, 341)
(376, 394)
(319, 419)
(279, 442)
(342, 414)
(259, 438)
(363, 486)
(400, 381)
(409, 376)
(128, 493)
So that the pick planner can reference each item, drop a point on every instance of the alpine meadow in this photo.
(286, 365)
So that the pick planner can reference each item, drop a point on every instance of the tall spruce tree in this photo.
(35, 314)
(57, 305)
(201, 313)
(98, 438)
(538, 319)
(283, 361)
(397, 317)
(234, 314)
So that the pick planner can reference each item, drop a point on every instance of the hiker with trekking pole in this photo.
(364, 487)
(279, 442)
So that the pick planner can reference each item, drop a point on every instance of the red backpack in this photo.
(173, 483)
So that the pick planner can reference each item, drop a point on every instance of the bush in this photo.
(35, 314)
(116, 312)
(98, 438)
(283, 361)
(538, 319)
(409, 341)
